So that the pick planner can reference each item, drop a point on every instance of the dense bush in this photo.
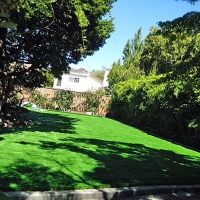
(39, 99)
(63, 99)
(92, 100)
(162, 102)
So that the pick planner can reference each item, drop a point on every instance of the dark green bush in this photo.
(161, 102)
(92, 100)
(63, 99)
(39, 99)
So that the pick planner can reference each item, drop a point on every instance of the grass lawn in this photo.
(71, 151)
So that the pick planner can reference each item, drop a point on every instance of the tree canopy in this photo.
(172, 45)
(130, 68)
(170, 87)
(190, 1)
(99, 73)
(57, 41)
(50, 35)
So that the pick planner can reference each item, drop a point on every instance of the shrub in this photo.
(161, 102)
(39, 99)
(93, 100)
(63, 99)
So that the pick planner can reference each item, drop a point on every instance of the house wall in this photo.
(78, 82)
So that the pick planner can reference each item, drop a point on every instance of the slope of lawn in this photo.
(71, 151)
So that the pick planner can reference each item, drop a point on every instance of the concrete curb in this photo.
(105, 193)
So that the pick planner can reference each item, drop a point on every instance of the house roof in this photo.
(83, 71)
(79, 71)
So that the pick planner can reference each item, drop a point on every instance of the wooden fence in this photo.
(78, 104)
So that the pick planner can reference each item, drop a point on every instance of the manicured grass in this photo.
(71, 151)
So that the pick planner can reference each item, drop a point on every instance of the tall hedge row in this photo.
(165, 103)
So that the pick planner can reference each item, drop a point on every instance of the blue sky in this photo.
(129, 16)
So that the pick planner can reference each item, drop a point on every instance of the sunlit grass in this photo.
(71, 151)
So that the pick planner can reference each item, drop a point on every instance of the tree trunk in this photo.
(3, 93)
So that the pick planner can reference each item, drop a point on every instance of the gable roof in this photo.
(85, 72)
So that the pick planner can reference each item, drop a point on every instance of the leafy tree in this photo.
(130, 69)
(172, 54)
(133, 47)
(63, 99)
(98, 73)
(153, 59)
(189, 22)
(117, 73)
(72, 30)
(132, 53)
(49, 78)
(93, 100)
(167, 49)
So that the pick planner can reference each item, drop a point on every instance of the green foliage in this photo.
(30, 7)
(49, 78)
(133, 49)
(116, 74)
(130, 69)
(160, 102)
(93, 100)
(169, 47)
(86, 32)
(98, 73)
(188, 22)
(39, 99)
(63, 99)
(168, 98)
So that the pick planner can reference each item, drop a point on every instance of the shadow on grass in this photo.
(25, 175)
(118, 165)
(47, 122)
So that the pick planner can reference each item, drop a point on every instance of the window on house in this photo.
(75, 80)
(59, 82)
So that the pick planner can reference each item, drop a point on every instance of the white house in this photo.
(78, 80)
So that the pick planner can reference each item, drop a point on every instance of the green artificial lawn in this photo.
(72, 151)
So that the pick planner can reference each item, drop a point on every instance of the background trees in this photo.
(130, 68)
(99, 73)
(166, 99)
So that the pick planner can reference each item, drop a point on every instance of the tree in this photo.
(49, 78)
(171, 46)
(172, 54)
(188, 22)
(132, 53)
(99, 73)
(117, 74)
(153, 59)
(190, 1)
(130, 69)
(73, 30)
